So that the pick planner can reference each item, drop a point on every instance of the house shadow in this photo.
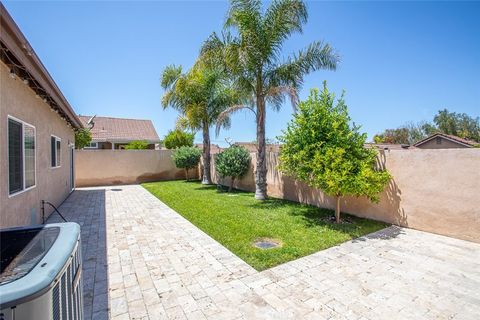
(87, 208)
(384, 234)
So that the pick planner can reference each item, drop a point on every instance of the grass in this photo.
(236, 220)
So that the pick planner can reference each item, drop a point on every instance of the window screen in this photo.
(53, 152)
(15, 156)
(58, 152)
(29, 151)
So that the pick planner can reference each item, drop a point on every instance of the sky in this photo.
(400, 61)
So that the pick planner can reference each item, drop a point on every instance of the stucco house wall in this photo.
(52, 184)
(104, 145)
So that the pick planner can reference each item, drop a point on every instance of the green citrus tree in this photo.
(186, 158)
(322, 148)
(83, 137)
(178, 138)
(232, 162)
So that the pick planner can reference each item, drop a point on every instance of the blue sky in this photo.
(401, 61)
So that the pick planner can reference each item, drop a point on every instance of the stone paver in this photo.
(142, 260)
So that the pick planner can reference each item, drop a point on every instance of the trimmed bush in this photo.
(186, 158)
(137, 145)
(233, 162)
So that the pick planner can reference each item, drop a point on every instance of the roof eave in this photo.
(124, 140)
(19, 46)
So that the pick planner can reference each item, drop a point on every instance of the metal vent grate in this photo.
(64, 293)
(69, 291)
(56, 303)
(77, 305)
(75, 291)
(67, 299)
(79, 290)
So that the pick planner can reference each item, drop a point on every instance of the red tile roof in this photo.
(121, 130)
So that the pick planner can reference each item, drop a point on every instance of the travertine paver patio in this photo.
(142, 260)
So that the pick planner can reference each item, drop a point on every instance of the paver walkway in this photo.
(142, 260)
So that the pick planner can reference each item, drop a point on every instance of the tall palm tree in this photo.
(200, 95)
(252, 54)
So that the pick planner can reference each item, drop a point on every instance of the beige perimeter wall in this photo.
(113, 167)
(432, 190)
(52, 184)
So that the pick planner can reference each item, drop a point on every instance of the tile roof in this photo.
(450, 137)
(121, 130)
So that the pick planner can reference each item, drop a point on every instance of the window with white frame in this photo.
(55, 151)
(92, 145)
(21, 156)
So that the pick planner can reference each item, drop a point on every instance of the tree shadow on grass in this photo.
(220, 189)
(312, 216)
(191, 181)
(315, 217)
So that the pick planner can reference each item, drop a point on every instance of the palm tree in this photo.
(252, 55)
(200, 95)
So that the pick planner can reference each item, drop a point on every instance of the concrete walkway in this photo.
(142, 260)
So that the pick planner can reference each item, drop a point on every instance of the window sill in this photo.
(21, 191)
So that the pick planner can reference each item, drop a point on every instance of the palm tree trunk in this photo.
(207, 179)
(261, 170)
(337, 210)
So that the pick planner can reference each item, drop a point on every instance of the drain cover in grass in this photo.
(266, 243)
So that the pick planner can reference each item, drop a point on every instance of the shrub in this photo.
(233, 162)
(186, 158)
(324, 150)
(83, 137)
(178, 138)
(137, 145)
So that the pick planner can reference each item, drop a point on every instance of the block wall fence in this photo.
(115, 167)
(432, 190)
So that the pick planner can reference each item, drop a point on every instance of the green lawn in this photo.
(236, 220)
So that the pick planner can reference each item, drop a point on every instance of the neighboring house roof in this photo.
(18, 55)
(455, 139)
(121, 130)
(214, 148)
(252, 146)
(389, 146)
